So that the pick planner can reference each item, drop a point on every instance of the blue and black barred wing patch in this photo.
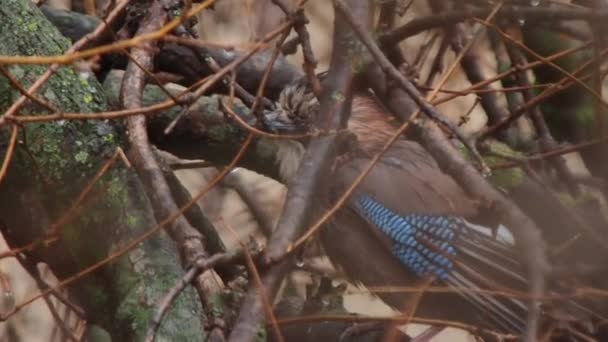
(457, 253)
(424, 244)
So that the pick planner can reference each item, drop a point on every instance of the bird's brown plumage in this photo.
(406, 167)
(406, 181)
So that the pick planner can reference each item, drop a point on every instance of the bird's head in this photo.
(294, 111)
(293, 114)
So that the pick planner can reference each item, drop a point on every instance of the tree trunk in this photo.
(52, 164)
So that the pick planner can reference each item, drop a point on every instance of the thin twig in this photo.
(201, 265)
(310, 63)
(546, 140)
(8, 156)
(15, 83)
(530, 13)
(14, 108)
(299, 205)
(190, 241)
(524, 229)
(69, 214)
(404, 83)
(138, 240)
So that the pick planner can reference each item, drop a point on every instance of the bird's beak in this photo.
(279, 124)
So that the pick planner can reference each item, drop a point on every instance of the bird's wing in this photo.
(406, 180)
(458, 254)
(418, 213)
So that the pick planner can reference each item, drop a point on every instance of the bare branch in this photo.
(299, 207)
(190, 240)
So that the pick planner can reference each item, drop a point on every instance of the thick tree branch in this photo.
(544, 14)
(310, 63)
(303, 189)
(189, 240)
(451, 160)
(204, 125)
(492, 102)
(183, 60)
(114, 292)
(406, 85)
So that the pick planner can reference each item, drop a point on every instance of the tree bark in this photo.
(52, 164)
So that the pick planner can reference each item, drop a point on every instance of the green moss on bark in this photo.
(503, 178)
(55, 163)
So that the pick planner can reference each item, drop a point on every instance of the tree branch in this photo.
(189, 240)
(303, 189)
